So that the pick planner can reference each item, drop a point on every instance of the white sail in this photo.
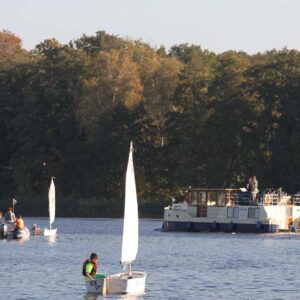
(130, 226)
(51, 197)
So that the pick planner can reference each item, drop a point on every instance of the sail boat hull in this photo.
(123, 284)
(97, 286)
(50, 232)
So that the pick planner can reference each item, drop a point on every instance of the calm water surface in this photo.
(179, 265)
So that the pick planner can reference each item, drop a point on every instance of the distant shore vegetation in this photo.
(196, 118)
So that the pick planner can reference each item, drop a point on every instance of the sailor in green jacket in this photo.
(89, 268)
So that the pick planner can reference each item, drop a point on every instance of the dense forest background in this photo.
(196, 118)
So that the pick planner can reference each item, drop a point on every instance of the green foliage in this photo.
(195, 118)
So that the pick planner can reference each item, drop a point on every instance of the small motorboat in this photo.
(21, 233)
(36, 230)
(8, 230)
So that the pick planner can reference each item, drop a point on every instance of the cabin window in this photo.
(194, 197)
(257, 213)
(253, 213)
(212, 198)
(216, 199)
(202, 198)
(221, 199)
(232, 212)
(235, 212)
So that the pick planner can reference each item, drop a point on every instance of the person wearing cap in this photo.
(89, 268)
(10, 216)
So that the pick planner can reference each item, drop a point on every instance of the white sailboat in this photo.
(51, 198)
(130, 282)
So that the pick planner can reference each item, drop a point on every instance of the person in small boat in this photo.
(252, 187)
(89, 268)
(36, 230)
(10, 216)
(20, 223)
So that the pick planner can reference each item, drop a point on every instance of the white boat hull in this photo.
(9, 231)
(95, 286)
(22, 233)
(123, 284)
(50, 232)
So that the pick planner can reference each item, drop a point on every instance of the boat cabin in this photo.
(203, 198)
(233, 210)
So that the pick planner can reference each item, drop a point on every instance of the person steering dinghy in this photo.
(89, 268)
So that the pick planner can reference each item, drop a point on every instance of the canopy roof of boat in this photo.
(214, 189)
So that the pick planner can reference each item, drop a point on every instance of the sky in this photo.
(217, 25)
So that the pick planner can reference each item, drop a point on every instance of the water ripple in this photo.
(179, 265)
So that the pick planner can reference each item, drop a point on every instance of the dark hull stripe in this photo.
(219, 227)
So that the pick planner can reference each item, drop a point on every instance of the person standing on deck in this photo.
(89, 268)
(10, 216)
(252, 187)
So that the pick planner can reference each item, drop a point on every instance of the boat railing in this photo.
(271, 199)
(180, 206)
(222, 197)
(246, 198)
(296, 199)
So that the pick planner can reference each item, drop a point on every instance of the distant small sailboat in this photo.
(128, 282)
(51, 198)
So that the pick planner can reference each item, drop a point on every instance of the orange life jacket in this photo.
(20, 224)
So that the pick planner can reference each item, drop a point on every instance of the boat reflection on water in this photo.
(90, 296)
(10, 238)
(23, 240)
(131, 297)
(51, 239)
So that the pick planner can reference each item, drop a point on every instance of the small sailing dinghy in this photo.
(130, 282)
(51, 198)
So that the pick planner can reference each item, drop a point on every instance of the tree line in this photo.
(196, 118)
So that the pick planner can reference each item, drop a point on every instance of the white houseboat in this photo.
(233, 210)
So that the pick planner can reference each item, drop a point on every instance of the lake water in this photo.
(179, 265)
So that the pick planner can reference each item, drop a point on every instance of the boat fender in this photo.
(267, 200)
(214, 225)
(190, 226)
(3, 230)
(231, 226)
(258, 225)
